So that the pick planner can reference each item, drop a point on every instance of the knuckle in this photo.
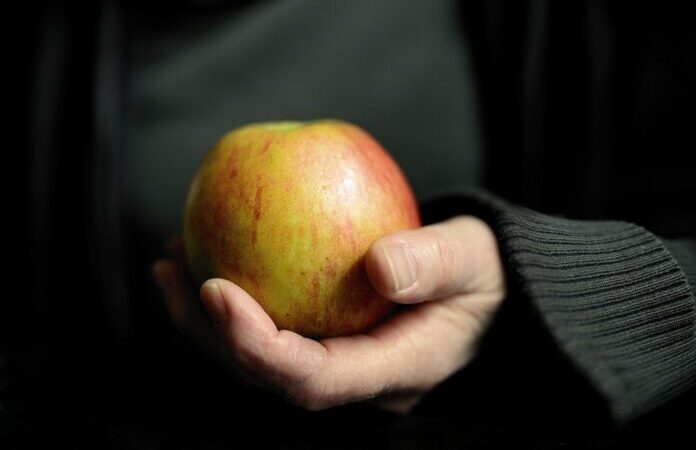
(307, 396)
(443, 250)
(303, 381)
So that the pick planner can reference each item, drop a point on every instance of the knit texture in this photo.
(612, 295)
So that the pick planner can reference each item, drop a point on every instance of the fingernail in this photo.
(214, 301)
(402, 265)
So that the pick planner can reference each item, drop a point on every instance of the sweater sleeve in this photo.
(615, 299)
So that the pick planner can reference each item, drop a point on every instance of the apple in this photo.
(287, 211)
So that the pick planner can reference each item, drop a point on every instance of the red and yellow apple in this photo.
(288, 210)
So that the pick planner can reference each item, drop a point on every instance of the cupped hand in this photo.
(448, 276)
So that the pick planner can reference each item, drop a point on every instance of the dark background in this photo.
(119, 100)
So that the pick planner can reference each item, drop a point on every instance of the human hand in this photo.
(449, 278)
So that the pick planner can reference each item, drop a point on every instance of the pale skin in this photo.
(451, 289)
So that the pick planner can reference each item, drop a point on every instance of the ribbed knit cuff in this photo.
(684, 251)
(611, 295)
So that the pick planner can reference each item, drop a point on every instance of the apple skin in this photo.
(288, 210)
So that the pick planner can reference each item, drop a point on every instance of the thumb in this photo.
(453, 257)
